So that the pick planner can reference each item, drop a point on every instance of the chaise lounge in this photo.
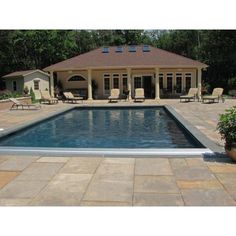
(139, 95)
(17, 104)
(216, 96)
(115, 95)
(192, 95)
(71, 98)
(46, 97)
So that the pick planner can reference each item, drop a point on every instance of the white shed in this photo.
(35, 79)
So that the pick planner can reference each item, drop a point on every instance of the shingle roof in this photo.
(97, 59)
(22, 73)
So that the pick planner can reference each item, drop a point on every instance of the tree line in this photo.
(31, 49)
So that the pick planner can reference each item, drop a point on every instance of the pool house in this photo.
(160, 73)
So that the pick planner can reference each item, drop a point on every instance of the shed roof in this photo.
(23, 73)
(139, 58)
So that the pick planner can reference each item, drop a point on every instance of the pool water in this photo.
(152, 127)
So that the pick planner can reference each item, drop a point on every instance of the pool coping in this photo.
(210, 146)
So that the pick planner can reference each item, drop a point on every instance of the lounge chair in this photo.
(139, 95)
(192, 94)
(115, 95)
(46, 97)
(23, 105)
(216, 95)
(71, 98)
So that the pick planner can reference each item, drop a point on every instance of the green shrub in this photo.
(232, 83)
(5, 94)
(32, 95)
(227, 127)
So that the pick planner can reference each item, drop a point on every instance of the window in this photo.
(14, 86)
(36, 84)
(137, 82)
(125, 82)
(105, 50)
(132, 49)
(178, 83)
(116, 78)
(188, 81)
(106, 79)
(161, 81)
(169, 82)
(146, 48)
(76, 78)
(119, 49)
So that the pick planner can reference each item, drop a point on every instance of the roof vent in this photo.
(146, 48)
(119, 49)
(132, 48)
(105, 50)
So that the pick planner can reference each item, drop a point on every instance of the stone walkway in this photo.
(163, 181)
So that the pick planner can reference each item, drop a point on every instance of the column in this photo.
(199, 81)
(157, 84)
(51, 84)
(90, 96)
(129, 81)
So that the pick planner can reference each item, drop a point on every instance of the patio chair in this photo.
(23, 105)
(115, 95)
(139, 95)
(216, 96)
(71, 98)
(46, 97)
(192, 94)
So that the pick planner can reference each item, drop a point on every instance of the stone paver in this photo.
(17, 163)
(152, 166)
(109, 191)
(63, 190)
(6, 177)
(202, 197)
(155, 184)
(83, 165)
(153, 199)
(54, 159)
(22, 189)
(94, 203)
(199, 184)
(223, 169)
(14, 201)
(40, 171)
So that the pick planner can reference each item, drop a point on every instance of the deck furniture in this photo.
(71, 98)
(46, 97)
(23, 105)
(192, 95)
(139, 95)
(216, 96)
(115, 95)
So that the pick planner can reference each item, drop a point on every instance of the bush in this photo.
(5, 94)
(227, 127)
(26, 90)
(232, 83)
(32, 95)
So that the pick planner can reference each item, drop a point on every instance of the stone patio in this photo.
(88, 181)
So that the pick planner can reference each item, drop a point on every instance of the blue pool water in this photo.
(106, 128)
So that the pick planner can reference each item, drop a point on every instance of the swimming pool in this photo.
(132, 127)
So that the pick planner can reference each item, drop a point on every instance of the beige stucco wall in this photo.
(43, 82)
(19, 84)
(97, 75)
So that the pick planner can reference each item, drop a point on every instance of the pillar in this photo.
(129, 82)
(199, 81)
(157, 84)
(51, 84)
(90, 94)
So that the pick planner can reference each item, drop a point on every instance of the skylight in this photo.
(146, 48)
(119, 49)
(105, 49)
(132, 49)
